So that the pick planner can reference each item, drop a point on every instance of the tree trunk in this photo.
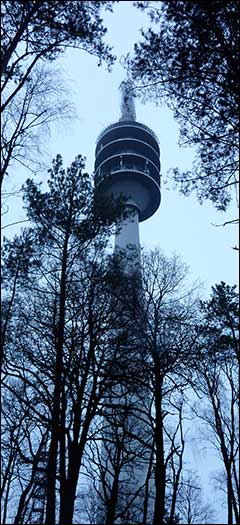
(146, 496)
(62, 461)
(55, 431)
(112, 504)
(8, 315)
(178, 474)
(229, 499)
(160, 475)
(68, 498)
(69, 488)
(68, 485)
(227, 460)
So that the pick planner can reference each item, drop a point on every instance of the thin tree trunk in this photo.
(226, 459)
(235, 503)
(68, 485)
(146, 496)
(55, 431)
(6, 498)
(160, 475)
(8, 315)
(22, 503)
(229, 499)
(112, 504)
(177, 477)
(62, 462)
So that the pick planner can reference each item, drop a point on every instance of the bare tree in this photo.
(34, 33)
(25, 123)
(216, 381)
(119, 459)
(168, 337)
(190, 506)
(24, 437)
(220, 413)
(161, 313)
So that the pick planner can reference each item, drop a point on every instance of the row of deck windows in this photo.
(122, 164)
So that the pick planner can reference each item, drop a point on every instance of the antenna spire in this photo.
(128, 111)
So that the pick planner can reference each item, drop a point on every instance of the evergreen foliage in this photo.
(44, 29)
(189, 59)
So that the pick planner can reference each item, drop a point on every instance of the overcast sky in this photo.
(181, 224)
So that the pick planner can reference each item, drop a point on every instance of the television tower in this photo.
(127, 164)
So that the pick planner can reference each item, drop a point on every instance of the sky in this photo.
(181, 225)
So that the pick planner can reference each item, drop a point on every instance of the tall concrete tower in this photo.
(128, 164)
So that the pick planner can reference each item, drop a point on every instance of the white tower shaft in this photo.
(127, 240)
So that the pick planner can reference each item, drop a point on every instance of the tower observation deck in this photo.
(128, 160)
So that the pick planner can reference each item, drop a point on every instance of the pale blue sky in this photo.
(181, 224)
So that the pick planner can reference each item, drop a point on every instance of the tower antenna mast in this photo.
(128, 111)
